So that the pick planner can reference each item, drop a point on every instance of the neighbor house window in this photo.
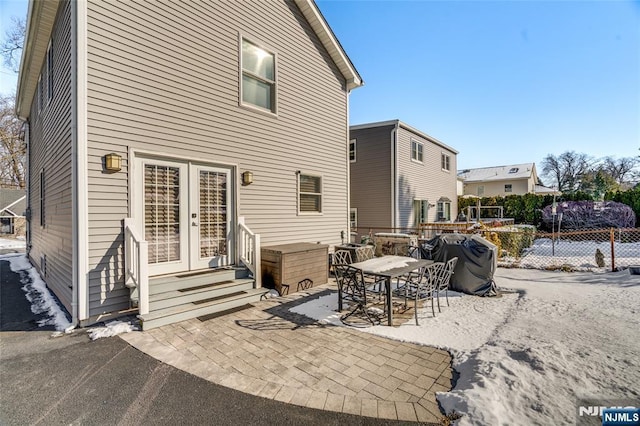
(353, 218)
(420, 211)
(42, 221)
(416, 150)
(309, 194)
(258, 84)
(508, 187)
(444, 210)
(50, 71)
(513, 170)
(352, 150)
(446, 162)
(480, 191)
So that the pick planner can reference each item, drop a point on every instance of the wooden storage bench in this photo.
(291, 263)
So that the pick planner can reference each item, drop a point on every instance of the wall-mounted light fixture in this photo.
(247, 178)
(113, 162)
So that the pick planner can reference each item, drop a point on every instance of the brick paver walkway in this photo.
(270, 352)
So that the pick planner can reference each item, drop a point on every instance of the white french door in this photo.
(210, 217)
(185, 213)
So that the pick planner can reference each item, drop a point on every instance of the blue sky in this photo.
(502, 82)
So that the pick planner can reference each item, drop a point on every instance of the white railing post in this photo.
(143, 277)
(136, 264)
(249, 250)
(257, 274)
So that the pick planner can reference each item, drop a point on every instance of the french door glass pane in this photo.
(162, 212)
(213, 213)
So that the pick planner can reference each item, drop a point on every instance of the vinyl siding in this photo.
(424, 181)
(163, 77)
(496, 188)
(50, 150)
(371, 177)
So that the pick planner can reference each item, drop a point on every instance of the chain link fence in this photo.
(521, 246)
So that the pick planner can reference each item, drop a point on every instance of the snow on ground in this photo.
(112, 328)
(12, 244)
(37, 293)
(528, 356)
(579, 254)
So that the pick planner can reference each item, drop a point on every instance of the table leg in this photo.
(387, 284)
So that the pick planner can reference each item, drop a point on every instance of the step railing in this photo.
(136, 264)
(249, 250)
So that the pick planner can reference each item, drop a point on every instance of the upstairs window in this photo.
(309, 194)
(416, 151)
(258, 84)
(508, 187)
(446, 162)
(352, 150)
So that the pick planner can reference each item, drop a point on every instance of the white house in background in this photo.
(513, 179)
(166, 138)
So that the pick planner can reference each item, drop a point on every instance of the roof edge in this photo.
(319, 24)
(404, 125)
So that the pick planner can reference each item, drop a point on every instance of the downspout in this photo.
(394, 177)
(27, 183)
(347, 93)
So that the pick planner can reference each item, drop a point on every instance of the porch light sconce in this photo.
(247, 178)
(113, 162)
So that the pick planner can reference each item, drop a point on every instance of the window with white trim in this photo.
(352, 150)
(420, 211)
(42, 216)
(416, 151)
(309, 193)
(446, 162)
(258, 85)
(508, 187)
(444, 210)
(353, 219)
(50, 71)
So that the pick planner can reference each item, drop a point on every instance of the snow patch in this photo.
(110, 329)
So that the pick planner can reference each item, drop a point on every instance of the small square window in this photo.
(508, 188)
(258, 83)
(352, 150)
(416, 151)
(309, 194)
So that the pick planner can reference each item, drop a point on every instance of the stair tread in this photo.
(197, 289)
(186, 307)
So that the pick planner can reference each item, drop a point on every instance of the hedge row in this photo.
(527, 208)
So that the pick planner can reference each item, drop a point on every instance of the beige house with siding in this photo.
(400, 177)
(167, 139)
(514, 179)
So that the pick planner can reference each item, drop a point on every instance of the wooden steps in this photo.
(178, 297)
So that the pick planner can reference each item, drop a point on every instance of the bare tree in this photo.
(12, 146)
(12, 43)
(567, 169)
(623, 170)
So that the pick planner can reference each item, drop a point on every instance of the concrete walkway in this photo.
(266, 350)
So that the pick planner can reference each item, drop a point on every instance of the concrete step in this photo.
(197, 293)
(173, 314)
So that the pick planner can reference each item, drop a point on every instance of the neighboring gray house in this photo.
(12, 207)
(400, 177)
(171, 137)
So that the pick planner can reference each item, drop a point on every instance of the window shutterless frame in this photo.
(417, 151)
(352, 150)
(446, 161)
(310, 192)
(258, 76)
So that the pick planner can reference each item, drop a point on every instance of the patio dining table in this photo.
(390, 267)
